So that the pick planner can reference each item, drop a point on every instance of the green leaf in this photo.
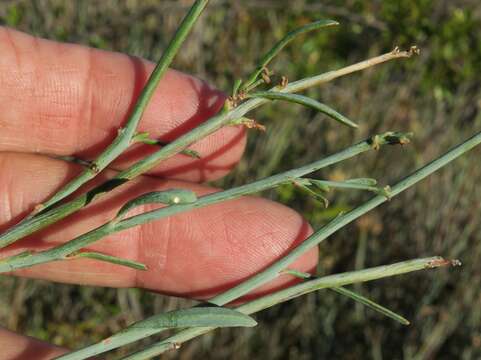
(363, 184)
(315, 194)
(371, 304)
(296, 273)
(191, 153)
(108, 258)
(305, 101)
(282, 43)
(362, 181)
(236, 87)
(197, 316)
(169, 197)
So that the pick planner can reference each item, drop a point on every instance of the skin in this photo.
(65, 99)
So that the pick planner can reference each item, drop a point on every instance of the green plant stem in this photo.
(224, 118)
(277, 268)
(341, 221)
(63, 251)
(125, 134)
(331, 281)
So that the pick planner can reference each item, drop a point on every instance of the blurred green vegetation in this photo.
(436, 95)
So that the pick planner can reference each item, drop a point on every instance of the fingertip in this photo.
(79, 97)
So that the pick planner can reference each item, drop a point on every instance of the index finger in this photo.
(67, 99)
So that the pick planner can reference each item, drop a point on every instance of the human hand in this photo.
(64, 99)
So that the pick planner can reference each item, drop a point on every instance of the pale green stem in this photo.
(125, 134)
(277, 268)
(331, 281)
(63, 251)
(224, 118)
(341, 221)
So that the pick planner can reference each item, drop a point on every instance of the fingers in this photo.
(67, 99)
(17, 347)
(198, 253)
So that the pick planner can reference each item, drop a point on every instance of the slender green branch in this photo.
(125, 134)
(371, 304)
(292, 292)
(280, 45)
(304, 84)
(224, 118)
(186, 201)
(391, 138)
(275, 269)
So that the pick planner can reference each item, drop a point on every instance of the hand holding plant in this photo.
(209, 253)
(196, 254)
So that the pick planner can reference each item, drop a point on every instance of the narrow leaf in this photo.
(282, 43)
(144, 138)
(108, 258)
(74, 160)
(305, 101)
(193, 317)
(236, 87)
(169, 197)
(191, 153)
(352, 184)
(362, 181)
(371, 304)
(315, 194)
(197, 316)
(296, 273)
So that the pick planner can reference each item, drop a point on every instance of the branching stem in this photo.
(273, 299)
(224, 118)
(125, 134)
(63, 251)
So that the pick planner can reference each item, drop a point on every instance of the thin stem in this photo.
(267, 58)
(224, 118)
(292, 292)
(342, 279)
(125, 134)
(63, 251)
(304, 84)
(341, 221)
(264, 184)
